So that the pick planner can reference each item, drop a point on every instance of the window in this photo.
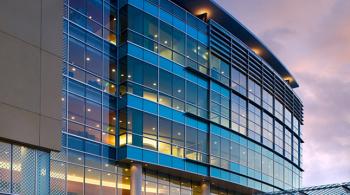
(76, 52)
(288, 144)
(254, 91)
(94, 61)
(178, 41)
(238, 81)
(278, 110)
(75, 179)
(238, 114)
(267, 130)
(191, 48)
(219, 104)
(254, 124)
(91, 176)
(278, 137)
(220, 70)
(166, 35)
(287, 118)
(76, 108)
(267, 101)
(149, 131)
(196, 144)
(135, 19)
(150, 27)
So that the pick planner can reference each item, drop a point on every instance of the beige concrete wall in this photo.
(30, 75)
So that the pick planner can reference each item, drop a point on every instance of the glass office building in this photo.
(170, 97)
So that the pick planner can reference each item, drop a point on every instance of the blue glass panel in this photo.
(202, 170)
(108, 152)
(165, 16)
(149, 156)
(165, 63)
(136, 3)
(225, 92)
(243, 141)
(215, 87)
(165, 160)
(202, 126)
(151, 9)
(75, 143)
(178, 70)
(225, 133)
(178, 163)
(243, 180)
(94, 41)
(150, 57)
(93, 148)
(251, 172)
(178, 117)
(251, 145)
(243, 170)
(165, 112)
(203, 38)
(215, 172)
(203, 83)
(215, 129)
(234, 178)
(234, 167)
(76, 87)
(134, 153)
(191, 77)
(235, 137)
(134, 102)
(191, 122)
(225, 175)
(149, 106)
(191, 167)
(135, 51)
(179, 24)
(192, 32)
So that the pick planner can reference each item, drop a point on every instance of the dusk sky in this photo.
(312, 38)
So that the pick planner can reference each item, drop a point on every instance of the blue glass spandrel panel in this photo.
(202, 126)
(165, 64)
(165, 112)
(93, 148)
(149, 156)
(134, 102)
(225, 175)
(234, 178)
(179, 24)
(150, 57)
(150, 107)
(178, 117)
(135, 51)
(203, 170)
(214, 172)
(234, 167)
(134, 153)
(136, 3)
(165, 16)
(178, 163)
(75, 143)
(178, 70)
(215, 130)
(165, 160)
(150, 8)
(191, 167)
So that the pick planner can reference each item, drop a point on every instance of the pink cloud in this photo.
(312, 38)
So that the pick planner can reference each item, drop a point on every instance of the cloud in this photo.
(313, 39)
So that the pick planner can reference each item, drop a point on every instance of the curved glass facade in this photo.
(146, 82)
